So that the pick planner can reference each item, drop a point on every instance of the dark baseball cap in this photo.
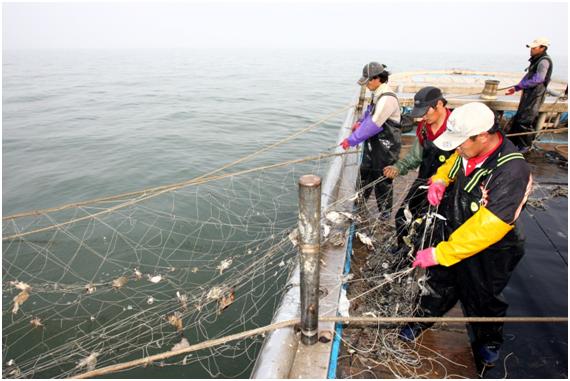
(424, 99)
(370, 71)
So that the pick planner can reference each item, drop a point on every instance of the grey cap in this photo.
(369, 71)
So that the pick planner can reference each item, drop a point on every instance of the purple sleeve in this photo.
(536, 79)
(367, 129)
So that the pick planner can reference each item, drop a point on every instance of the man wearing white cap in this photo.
(533, 86)
(487, 183)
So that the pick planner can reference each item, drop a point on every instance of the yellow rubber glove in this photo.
(476, 234)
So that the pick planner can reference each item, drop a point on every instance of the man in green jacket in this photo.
(430, 106)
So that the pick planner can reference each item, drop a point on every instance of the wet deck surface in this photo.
(538, 287)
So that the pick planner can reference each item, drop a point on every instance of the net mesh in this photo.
(103, 283)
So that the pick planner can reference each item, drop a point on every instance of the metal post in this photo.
(310, 243)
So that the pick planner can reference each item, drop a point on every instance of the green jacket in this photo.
(412, 160)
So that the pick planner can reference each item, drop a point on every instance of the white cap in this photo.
(468, 120)
(538, 42)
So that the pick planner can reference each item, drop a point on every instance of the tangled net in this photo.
(385, 285)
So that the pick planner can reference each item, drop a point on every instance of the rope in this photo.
(196, 181)
(555, 131)
(480, 92)
(172, 188)
(288, 323)
(176, 186)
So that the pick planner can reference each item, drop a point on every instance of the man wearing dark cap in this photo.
(533, 86)
(429, 105)
(482, 246)
(379, 129)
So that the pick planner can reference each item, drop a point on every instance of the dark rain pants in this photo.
(477, 282)
(527, 116)
(383, 189)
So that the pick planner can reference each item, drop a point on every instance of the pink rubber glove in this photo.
(425, 258)
(510, 91)
(356, 126)
(345, 144)
(435, 192)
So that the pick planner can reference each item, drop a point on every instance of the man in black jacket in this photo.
(487, 183)
(533, 86)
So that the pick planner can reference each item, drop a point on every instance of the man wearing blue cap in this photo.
(379, 129)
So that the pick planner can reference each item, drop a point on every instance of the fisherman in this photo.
(430, 106)
(533, 86)
(491, 183)
(379, 129)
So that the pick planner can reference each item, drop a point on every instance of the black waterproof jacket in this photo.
(500, 185)
(383, 148)
(432, 156)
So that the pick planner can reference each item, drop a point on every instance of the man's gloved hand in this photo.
(435, 192)
(345, 144)
(355, 126)
(391, 171)
(425, 258)
(510, 91)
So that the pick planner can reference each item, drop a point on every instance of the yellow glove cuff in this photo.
(476, 234)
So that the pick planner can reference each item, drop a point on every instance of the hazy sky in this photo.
(488, 27)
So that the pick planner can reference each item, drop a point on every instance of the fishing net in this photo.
(123, 278)
(100, 283)
(383, 284)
